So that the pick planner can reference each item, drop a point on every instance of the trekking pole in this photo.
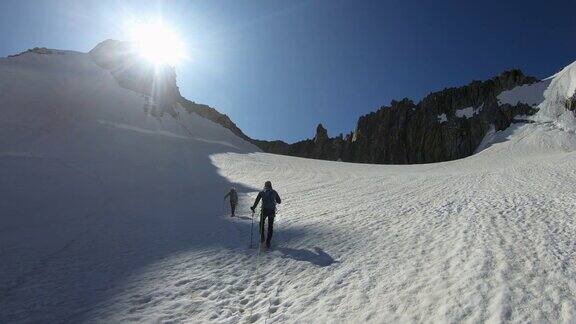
(276, 225)
(251, 229)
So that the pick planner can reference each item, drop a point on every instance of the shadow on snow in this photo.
(84, 217)
(317, 257)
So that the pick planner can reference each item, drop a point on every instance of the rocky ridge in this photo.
(445, 125)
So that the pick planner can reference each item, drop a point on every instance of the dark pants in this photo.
(233, 207)
(267, 214)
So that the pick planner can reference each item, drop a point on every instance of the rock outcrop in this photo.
(213, 115)
(445, 125)
(41, 51)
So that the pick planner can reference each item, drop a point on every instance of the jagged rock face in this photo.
(445, 125)
(571, 103)
(321, 135)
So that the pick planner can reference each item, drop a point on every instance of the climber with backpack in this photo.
(269, 198)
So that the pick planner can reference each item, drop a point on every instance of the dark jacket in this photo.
(261, 195)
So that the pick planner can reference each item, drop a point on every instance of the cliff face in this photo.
(445, 125)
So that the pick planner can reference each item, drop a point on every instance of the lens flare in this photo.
(157, 43)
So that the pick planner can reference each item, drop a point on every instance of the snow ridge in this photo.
(558, 97)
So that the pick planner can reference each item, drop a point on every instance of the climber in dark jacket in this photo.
(269, 198)
(233, 195)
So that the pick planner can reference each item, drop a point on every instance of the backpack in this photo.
(269, 199)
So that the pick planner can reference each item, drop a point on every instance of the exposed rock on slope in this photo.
(40, 50)
(213, 115)
(445, 125)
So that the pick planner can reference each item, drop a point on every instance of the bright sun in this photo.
(157, 43)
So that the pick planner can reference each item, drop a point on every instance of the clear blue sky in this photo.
(279, 67)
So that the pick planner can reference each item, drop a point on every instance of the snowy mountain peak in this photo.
(559, 102)
(157, 82)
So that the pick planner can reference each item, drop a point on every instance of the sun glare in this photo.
(157, 43)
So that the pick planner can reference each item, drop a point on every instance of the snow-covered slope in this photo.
(554, 97)
(110, 215)
(93, 189)
(559, 96)
(487, 238)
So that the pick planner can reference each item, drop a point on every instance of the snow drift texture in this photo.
(110, 215)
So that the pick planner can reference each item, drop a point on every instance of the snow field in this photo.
(456, 241)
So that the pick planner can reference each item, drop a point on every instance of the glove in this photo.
(253, 209)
